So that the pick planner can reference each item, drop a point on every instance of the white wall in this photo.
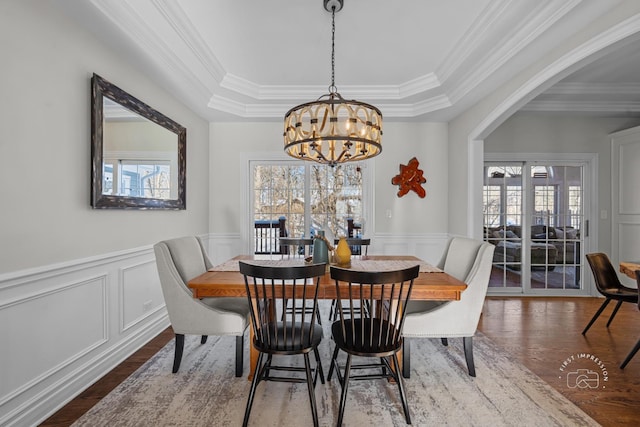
(79, 290)
(466, 132)
(557, 133)
(45, 145)
(416, 226)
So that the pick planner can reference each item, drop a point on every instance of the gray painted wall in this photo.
(558, 133)
(45, 145)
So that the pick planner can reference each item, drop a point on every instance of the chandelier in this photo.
(333, 130)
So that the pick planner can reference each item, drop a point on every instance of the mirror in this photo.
(138, 154)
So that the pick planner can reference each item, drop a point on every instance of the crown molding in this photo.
(197, 74)
(419, 85)
(511, 44)
(580, 88)
(174, 14)
(305, 92)
(628, 30)
(278, 110)
(472, 39)
(134, 27)
(606, 107)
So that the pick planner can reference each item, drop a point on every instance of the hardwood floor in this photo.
(85, 401)
(541, 333)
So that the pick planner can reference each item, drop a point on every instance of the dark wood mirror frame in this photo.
(102, 88)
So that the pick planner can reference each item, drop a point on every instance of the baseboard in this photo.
(49, 401)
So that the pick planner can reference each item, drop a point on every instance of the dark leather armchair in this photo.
(608, 284)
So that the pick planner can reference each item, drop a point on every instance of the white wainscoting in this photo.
(223, 246)
(428, 247)
(64, 326)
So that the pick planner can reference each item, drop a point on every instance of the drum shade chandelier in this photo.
(333, 130)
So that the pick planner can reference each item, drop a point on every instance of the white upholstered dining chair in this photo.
(179, 260)
(467, 260)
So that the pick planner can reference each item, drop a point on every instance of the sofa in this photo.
(549, 245)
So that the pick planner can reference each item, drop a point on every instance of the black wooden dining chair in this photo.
(297, 247)
(374, 333)
(280, 332)
(635, 349)
(608, 284)
(355, 244)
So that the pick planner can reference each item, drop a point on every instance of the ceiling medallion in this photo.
(333, 130)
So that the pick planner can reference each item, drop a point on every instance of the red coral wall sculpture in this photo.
(410, 178)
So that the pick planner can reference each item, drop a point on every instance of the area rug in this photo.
(205, 392)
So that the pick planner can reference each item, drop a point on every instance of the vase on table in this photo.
(320, 250)
(343, 253)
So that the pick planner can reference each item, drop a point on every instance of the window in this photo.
(492, 203)
(310, 197)
(575, 206)
(137, 178)
(502, 196)
(544, 204)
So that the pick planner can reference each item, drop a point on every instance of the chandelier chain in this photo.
(332, 130)
(332, 88)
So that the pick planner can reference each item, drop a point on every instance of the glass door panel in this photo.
(534, 214)
(557, 219)
(503, 214)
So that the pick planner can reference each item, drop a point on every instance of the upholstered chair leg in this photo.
(615, 311)
(204, 339)
(467, 343)
(406, 357)
(595, 316)
(239, 355)
(630, 356)
(178, 354)
(445, 341)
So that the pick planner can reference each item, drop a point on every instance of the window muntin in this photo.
(137, 178)
(311, 197)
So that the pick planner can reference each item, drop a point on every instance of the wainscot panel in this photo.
(140, 293)
(428, 247)
(64, 326)
(222, 247)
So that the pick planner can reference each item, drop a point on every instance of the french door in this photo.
(304, 198)
(534, 214)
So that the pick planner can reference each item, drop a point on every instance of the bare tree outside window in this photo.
(310, 197)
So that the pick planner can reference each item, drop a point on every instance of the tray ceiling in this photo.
(414, 59)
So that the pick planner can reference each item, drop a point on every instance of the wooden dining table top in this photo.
(629, 268)
(430, 285)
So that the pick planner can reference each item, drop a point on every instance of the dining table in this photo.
(629, 268)
(225, 280)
